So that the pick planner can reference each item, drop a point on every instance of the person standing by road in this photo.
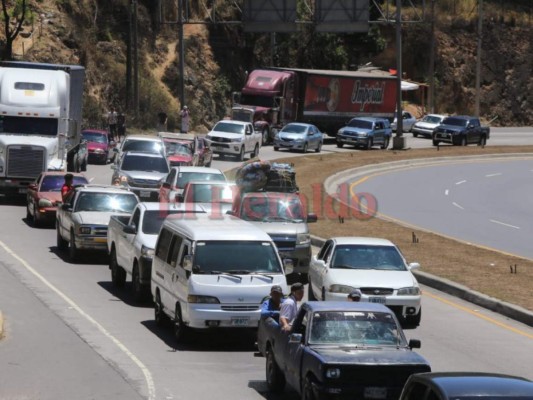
(185, 119)
(67, 186)
(271, 306)
(289, 308)
(121, 125)
(112, 122)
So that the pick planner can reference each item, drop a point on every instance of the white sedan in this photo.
(408, 120)
(374, 266)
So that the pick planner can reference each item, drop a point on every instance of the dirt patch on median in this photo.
(481, 269)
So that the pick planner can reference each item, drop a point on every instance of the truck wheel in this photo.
(435, 141)
(369, 144)
(180, 330)
(159, 315)
(276, 148)
(256, 151)
(482, 141)
(118, 275)
(307, 390)
(240, 157)
(340, 144)
(61, 243)
(138, 289)
(385, 143)
(265, 137)
(318, 148)
(274, 377)
(72, 250)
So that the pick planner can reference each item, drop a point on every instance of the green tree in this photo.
(14, 10)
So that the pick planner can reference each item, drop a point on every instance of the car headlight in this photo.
(101, 151)
(363, 134)
(147, 251)
(341, 289)
(238, 140)
(303, 238)
(84, 230)
(45, 203)
(333, 373)
(409, 291)
(193, 298)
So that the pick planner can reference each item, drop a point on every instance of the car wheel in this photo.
(463, 141)
(256, 152)
(318, 148)
(340, 144)
(118, 275)
(385, 144)
(241, 154)
(29, 217)
(307, 390)
(159, 315)
(265, 139)
(304, 150)
(323, 294)
(311, 294)
(482, 141)
(180, 330)
(276, 148)
(412, 321)
(369, 144)
(72, 250)
(415, 134)
(274, 376)
(139, 291)
(435, 141)
(61, 243)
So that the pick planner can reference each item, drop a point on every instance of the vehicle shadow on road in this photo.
(84, 258)
(261, 388)
(125, 294)
(13, 201)
(42, 225)
(221, 340)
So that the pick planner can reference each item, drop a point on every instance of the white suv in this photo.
(237, 138)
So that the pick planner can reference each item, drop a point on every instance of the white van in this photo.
(213, 273)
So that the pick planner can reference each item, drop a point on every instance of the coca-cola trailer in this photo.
(273, 97)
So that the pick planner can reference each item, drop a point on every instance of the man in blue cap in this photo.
(272, 305)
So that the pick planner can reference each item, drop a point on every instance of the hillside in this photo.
(95, 34)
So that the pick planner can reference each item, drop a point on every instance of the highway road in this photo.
(69, 317)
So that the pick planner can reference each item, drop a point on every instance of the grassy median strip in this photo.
(481, 269)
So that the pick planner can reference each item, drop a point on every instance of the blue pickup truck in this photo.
(461, 130)
(340, 350)
(365, 132)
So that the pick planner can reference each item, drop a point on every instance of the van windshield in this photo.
(213, 257)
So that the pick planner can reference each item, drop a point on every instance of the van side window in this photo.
(324, 249)
(163, 244)
(175, 246)
(184, 253)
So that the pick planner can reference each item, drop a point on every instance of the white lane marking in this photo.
(504, 224)
(457, 205)
(460, 182)
(446, 192)
(491, 175)
(146, 372)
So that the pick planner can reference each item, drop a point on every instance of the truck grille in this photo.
(283, 242)
(144, 183)
(25, 161)
(251, 307)
(100, 230)
(220, 139)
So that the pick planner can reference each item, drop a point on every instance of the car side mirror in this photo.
(415, 344)
(187, 263)
(295, 338)
(66, 207)
(311, 218)
(413, 265)
(288, 265)
(470, 126)
(130, 229)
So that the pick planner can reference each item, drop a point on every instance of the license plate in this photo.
(375, 393)
(100, 240)
(377, 299)
(144, 193)
(23, 190)
(240, 321)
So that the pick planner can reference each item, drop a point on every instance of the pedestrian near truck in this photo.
(121, 126)
(289, 308)
(112, 122)
(185, 119)
(271, 306)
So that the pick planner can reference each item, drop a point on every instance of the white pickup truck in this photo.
(131, 241)
(235, 138)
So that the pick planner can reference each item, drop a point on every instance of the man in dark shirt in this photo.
(271, 306)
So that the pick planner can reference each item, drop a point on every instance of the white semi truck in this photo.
(40, 122)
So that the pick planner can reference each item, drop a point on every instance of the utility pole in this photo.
(135, 62)
(478, 60)
(431, 94)
(399, 139)
(129, 57)
(182, 53)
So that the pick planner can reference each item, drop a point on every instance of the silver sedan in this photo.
(299, 136)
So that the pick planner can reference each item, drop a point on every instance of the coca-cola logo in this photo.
(368, 94)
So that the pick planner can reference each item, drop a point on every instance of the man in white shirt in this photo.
(289, 308)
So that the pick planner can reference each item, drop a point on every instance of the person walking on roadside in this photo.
(289, 308)
(112, 122)
(121, 126)
(185, 119)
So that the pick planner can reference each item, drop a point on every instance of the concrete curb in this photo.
(463, 292)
